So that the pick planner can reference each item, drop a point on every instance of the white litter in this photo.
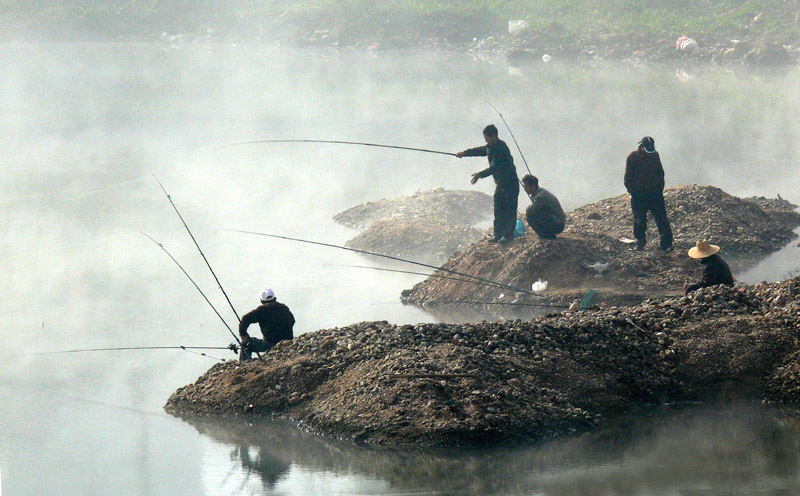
(517, 26)
(539, 286)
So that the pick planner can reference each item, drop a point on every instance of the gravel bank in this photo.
(491, 383)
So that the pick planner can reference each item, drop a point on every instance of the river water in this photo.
(85, 126)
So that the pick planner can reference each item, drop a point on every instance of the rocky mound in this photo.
(457, 208)
(779, 209)
(740, 227)
(590, 254)
(420, 240)
(438, 384)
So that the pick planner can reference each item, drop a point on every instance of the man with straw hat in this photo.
(276, 322)
(715, 270)
(644, 180)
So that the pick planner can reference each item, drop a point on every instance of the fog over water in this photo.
(84, 127)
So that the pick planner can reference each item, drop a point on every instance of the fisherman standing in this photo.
(276, 322)
(506, 193)
(644, 180)
(715, 270)
(544, 215)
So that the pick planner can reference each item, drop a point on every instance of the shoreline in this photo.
(480, 384)
(763, 39)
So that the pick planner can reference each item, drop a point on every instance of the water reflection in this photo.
(739, 448)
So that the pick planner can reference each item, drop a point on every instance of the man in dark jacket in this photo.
(506, 193)
(544, 215)
(644, 180)
(715, 270)
(276, 322)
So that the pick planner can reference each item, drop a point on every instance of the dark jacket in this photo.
(545, 205)
(644, 174)
(501, 164)
(715, 271)
(275, 319)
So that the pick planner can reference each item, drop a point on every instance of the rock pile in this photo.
(740, 227)
(452, 207)
(440, 384)
(421, 239)
(427, 227)
(590, 254)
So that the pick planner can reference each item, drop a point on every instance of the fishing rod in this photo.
(407, 272)
(338, 142)
(508, 303)
(512, 135)
(488, 281)
(196, 286)
(198, 248)
(131, 348)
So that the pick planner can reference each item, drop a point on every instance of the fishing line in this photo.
(58, 248)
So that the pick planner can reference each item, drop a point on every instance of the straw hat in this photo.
(703, 249)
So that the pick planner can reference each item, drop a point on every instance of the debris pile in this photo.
(428, 226)
(740, 227)
(453, 207)
(591, 253)
(418, 239)
(479, 383)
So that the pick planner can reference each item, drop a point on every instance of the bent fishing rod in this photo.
(196, 286)
(512, 135)
(318, 243)
(336, 142)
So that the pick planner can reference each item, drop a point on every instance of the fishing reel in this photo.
(234, 348)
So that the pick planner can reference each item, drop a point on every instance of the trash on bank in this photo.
(687, 45)
(539, 286)
(516, 27)
(520, 229)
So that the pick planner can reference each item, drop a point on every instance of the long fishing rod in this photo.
(488, 281)
(408, 272)
(196, 286)
(198, 248)
(338, 142)
(512, 135)
(508, 303)
(381, 269)
(132, 348)
(126, 348)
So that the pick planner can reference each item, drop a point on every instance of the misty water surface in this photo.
(85, 126)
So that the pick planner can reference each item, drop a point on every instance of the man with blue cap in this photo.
(644, 180)
(275, 320)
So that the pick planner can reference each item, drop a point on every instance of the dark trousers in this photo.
(655, 204)
(544, 228)
(505, 211)
(254, 345)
